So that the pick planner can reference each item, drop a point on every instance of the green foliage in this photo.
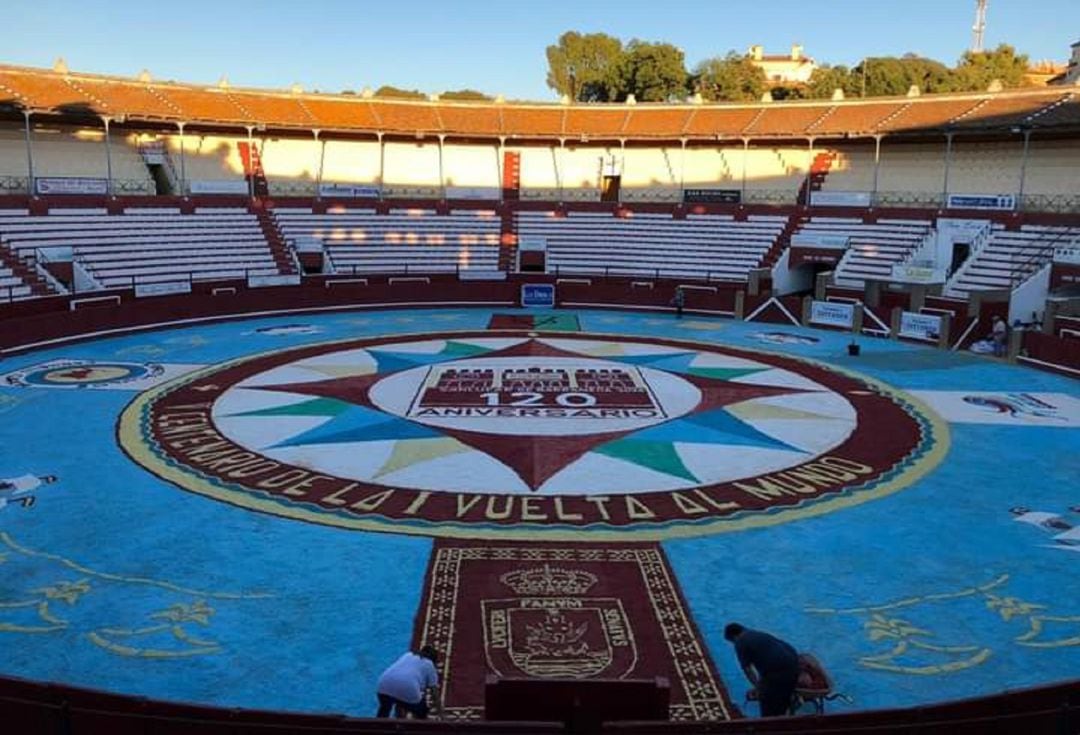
(893, 76)
(733, 77)
(652, 72)
(401, 94)
(586, 67)
(976, 71)
(827, 79)
(464, 94)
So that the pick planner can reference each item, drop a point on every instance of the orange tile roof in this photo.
(133, 100)
(337, 113)
(282, 110)
(1004, 112)
(471, 120)
(720, 121)
(656, 121)
(1065, 113)
(856, 118)
(536, 121)
(783, 120)
(595, 121)
(204, 105)
(43, 90)
(929, 114)
(406, 117)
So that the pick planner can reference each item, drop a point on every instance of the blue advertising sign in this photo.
(538, 295)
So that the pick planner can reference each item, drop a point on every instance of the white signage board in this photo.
(218, 187)
(817, 240)
(840, 198)
(981, 201)
(920, 326)
(70, 185)
(165, 288)
(909, 273)
(273, 280)
(473, 192)
(351, 191)
(832, 314)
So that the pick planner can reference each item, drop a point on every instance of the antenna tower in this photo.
(979, 28)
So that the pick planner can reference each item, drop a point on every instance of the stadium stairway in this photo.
(508, 240)
(38, 286)
(284, 258)
(815, 179)
(783, 240)
(253, 169)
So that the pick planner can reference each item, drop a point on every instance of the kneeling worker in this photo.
(770, 664)
(404, 685)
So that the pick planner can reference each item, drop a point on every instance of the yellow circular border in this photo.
(130, 437)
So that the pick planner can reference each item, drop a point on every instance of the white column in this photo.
(108, 159)
(442, 176)
(382, 165)
(1023, 171)
(682, 167)
(183, 163)
(948, 163)
(322, 155)
(745, 153)
(500, 154)
(877, 169)
(29, 156)
(558, 173)
(251, 162)
(809, 165)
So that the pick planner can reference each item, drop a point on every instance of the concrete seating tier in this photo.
(401, 241)
(700, 246)
(873, 248)
(147, 247)
(1009, 257)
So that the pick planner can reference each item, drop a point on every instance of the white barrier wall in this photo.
(471, 166)
(351, 162)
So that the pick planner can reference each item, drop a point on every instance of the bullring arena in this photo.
(292, 383)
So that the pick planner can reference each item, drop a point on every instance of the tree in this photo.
(733, 77)
(891, 75)
(396, 93)
(585, 67)
(827, 79)
(977, 69)
(464, 94)
(652, 72)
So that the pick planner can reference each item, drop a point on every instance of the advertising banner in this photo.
(165, 288)
(538, 295)
(712, 196)
(981, 201)
(819, 240)
(70, 185)
(350, 191)
(473, 192)
(920, 326)
(218, 187)
(273, 280)
(840, 198)
(907, 273)
(832, 314)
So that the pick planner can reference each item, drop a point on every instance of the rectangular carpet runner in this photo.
(562, 610)
(537, 322)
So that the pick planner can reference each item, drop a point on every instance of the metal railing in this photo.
(1031, 262)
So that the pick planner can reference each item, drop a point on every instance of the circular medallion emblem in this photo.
(480, 433)
(83, 374)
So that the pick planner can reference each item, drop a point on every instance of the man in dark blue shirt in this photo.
(770, 664)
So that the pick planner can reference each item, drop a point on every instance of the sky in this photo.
(496, 47)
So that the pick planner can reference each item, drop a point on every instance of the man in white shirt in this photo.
(18, 489)
(405, 684)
